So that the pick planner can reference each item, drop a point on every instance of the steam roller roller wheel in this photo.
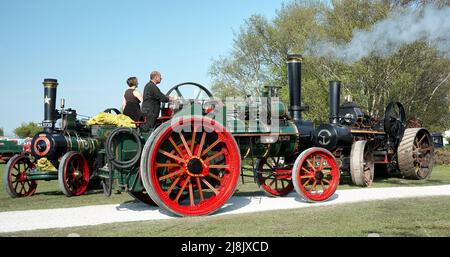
(315, 174)
(362, 165)
(190, 166)
(273, 176)
(73, 174)
(415, 154)
(15, 177)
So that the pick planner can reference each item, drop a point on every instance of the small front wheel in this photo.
(315, 174)
(73, 174)
(15, 177)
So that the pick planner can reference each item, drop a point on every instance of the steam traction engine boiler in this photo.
(66, 154)
(190, 164)
(361, 142)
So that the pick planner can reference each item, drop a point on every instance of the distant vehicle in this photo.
(438, 140)
(9, 148)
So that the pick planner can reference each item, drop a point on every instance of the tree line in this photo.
(417, 74)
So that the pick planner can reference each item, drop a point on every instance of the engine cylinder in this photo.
(53, 145)
(330, 136)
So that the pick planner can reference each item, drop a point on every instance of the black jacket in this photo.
(152, 99)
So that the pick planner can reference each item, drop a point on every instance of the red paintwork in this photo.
(331, 171)
(18, 177)
(228, 180)
(75, 183)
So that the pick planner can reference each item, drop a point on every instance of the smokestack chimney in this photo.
(49, 103)
(335, 92)
(294, 63)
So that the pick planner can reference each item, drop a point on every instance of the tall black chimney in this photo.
(49, 103)
(335, 93)
(294, 63)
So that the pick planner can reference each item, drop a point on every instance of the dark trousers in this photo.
(150, 116)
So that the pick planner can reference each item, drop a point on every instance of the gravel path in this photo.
(100, 214)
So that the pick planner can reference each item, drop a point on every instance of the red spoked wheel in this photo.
(274, 177)
(73, 174)
(315, 174)
(15, 177)
(190, 167)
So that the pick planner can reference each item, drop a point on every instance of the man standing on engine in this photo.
(151, 105)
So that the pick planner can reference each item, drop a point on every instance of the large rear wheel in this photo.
(362, 165)
(190, 167)
(416, 154)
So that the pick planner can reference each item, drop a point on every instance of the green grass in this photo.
(48, 194)
(399, 217)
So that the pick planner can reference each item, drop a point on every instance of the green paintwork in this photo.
(254, 138)
(8, 146)
(128, 179)
(42, 175)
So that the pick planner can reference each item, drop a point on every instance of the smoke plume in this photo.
(387, 36)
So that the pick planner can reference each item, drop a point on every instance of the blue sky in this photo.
(92, 47)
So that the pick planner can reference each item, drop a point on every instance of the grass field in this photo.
(48, 194)
(402, 217)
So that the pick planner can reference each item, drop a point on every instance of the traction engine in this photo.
(67, 154)
(362, 143)
(190, 163)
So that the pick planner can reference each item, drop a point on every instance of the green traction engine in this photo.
(190, 163)
(68, 153)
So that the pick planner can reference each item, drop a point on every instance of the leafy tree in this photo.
(415, 75)
(2, 133)
(27, 130)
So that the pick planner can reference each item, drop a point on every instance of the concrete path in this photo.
(101, 214)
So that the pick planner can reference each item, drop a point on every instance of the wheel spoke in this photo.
(307, 171)
(191, 194)
(211, 147)
(214, 176)
(181, 171)
(188, 150)
(210, 186)
(311, 165)
(420, 141)
(193, 139)
(200, 190)
(221, 166)
(174, 183)
(323, 186)
(313, 186)
(182, 189)
(273, 181)
(179, 93)
(304, 185)
(175, 146)
(209, 159)
(321, 164)
(167, 165)
(202, 142)
(171, 155)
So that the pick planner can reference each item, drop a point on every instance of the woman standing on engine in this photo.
(131, 100)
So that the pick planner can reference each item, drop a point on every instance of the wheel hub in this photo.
(318, 175)
(195, 166)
